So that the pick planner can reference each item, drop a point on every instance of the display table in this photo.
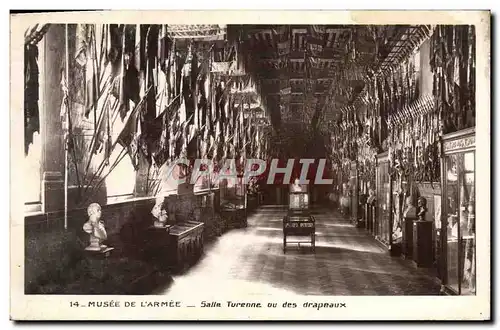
(299, 223)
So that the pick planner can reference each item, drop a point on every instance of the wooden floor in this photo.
(347, 261)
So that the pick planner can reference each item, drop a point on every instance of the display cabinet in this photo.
(299, 222)
(458, 228)
(233, 199)
(298, 199)
(383, 228)
(396, 220)
(353, 185)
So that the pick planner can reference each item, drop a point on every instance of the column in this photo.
(52, 138)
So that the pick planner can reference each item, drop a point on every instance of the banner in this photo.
(283, 48)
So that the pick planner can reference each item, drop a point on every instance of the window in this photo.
(120, 182)
(162, 182)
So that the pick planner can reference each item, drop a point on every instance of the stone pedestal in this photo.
(52, 191)
(422, 243)
(98, 262)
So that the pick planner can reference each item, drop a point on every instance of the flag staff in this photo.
(66, 137)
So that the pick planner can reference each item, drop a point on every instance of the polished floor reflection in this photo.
(347, 261)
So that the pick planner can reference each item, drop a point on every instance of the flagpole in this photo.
(66, 136)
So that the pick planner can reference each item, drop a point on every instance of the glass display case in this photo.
(398, 198)
(206, 182)
(299, 197)
(353, 184)
(383, 228)
(458, 229)
(233, 199)
(233, 192)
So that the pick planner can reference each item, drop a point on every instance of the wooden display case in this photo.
(233, 199)
(383, 221)
(176, 246)
(354, 192)
(458, 229)
(186, 243)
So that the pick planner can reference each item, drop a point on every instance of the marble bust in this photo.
(422, 208)
(159, 213)
(95, 228)
(371, 196)
(410, 211)
(296, 186)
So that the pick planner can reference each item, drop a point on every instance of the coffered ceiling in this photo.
(304, 70)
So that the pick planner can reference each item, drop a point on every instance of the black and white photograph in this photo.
(247, 170)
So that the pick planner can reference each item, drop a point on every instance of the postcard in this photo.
(250, 165)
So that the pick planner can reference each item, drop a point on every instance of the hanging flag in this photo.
(140, 59)
(160, 72)
(105, 75)
(86, 57)
(318, 29)
(283, 48)
(103, 134)
(171, 71)
(182, 111)
(130, 136)
(65, 114)
(223, 67)
(241, 132)
(64, 104)
(81, 43)
(456, 71)
(315, 40)
(173, 135)
(282, 31)
(122, 82)
(162, 46)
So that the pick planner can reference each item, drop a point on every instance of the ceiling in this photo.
(307, 72)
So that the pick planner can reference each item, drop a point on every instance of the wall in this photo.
(51, 253)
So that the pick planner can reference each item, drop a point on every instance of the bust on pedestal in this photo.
(370, 209)
(422, 208)
(422, 237)
(371, 197)
(95, 228)
(296, 186)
